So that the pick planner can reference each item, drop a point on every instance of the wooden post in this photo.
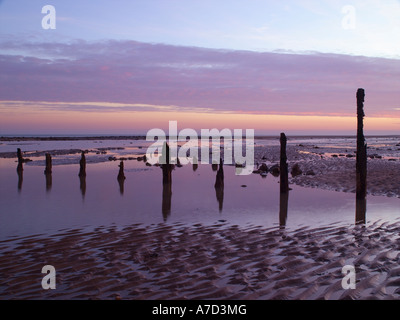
(195, 163)
(82, 164)
(167, 182)
(48, 169)
(219, 185)
(166, 167)
(284, 176)
(361, 162)
(284, 183)
(361, 158)
(121, 177)
(20, 167)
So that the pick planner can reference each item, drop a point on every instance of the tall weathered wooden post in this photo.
(284, 175)
(284, 183)
(361, 160)
(166, 167)
(219, 185)
(48, 172)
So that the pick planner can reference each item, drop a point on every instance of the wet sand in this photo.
(220, 261)
(334, 169)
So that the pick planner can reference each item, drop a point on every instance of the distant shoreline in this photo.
(142, 137)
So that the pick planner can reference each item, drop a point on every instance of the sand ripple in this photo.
(204, 262)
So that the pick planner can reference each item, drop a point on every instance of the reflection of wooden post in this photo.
(361, 161)
(283, 208)
(20, 173)
(284, 179)
(219, 185)
(82, 164)
(361, 210)
(166, 200)
(82, 185)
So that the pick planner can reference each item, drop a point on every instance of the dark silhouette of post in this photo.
(219, 185)
(284, 175)
(82, 165)
(20, 167)
(361, 160)
(166, 167)
(82, 174)
(48, 172)
(48, 169)
(284, 183)
(121, 177)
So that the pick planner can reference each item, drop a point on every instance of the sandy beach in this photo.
(219, 261)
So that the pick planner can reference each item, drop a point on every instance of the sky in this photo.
(125, 67)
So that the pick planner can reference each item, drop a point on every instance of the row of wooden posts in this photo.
(361, 173)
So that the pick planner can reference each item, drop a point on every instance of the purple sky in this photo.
(221, 80)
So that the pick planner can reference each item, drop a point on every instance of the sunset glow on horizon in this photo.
(63, 122)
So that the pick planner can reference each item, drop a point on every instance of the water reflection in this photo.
(361, 210)
(82, 180)
(219, 186)
(195, 164)
(166, 200)
(283, 209)
(49, 181)
(20, 172)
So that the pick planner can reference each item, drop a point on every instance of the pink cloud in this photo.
(238, 81)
